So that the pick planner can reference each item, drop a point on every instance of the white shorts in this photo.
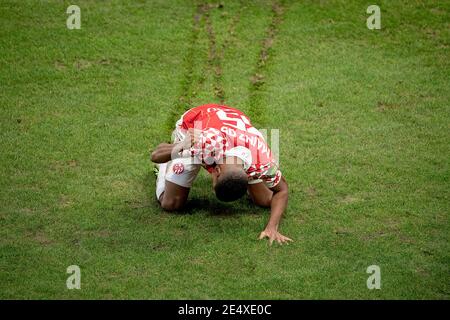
(182, 172)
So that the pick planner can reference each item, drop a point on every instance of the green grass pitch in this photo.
(364, 144)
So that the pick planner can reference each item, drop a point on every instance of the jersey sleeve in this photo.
(270, 174)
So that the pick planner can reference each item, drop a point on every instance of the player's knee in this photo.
(173, 204)
(169, 205)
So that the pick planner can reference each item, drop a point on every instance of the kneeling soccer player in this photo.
(222, 140)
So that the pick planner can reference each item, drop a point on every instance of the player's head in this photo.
(229, 181)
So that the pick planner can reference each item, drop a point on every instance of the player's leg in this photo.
(175, 177)
(174, 181)
(174, 196)
(260, 194)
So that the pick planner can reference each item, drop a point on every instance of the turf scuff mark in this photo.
(256, 108)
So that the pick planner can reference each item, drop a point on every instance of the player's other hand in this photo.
(191, 138)
(194, 135)
(274, 235)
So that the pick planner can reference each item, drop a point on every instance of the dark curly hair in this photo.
(231, 186)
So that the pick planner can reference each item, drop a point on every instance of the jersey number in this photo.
(238, 123)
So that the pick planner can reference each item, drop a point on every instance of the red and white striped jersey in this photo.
(225, 131)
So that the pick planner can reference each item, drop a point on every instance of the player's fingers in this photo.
(262, 235)
(287, 239)
(280, 239)
(271, 240)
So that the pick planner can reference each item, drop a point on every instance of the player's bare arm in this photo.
(278, 204)
(276, 199)
(165, 152)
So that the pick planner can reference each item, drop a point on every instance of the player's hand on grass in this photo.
(274, 235)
